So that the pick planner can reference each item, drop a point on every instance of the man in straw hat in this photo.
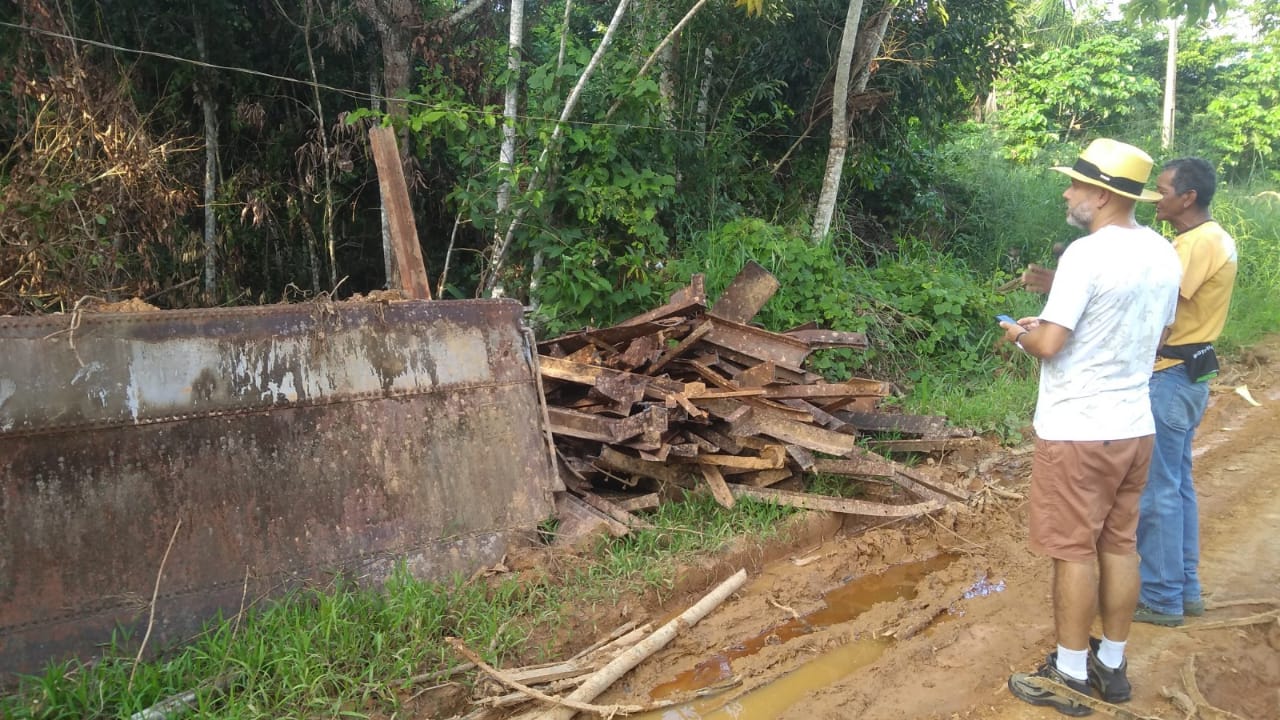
(1113, 295)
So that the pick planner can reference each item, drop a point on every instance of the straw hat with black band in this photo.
(1119, 167)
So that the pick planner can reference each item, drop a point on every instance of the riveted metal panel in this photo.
(290, 442)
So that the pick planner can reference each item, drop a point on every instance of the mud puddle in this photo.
(714, 678)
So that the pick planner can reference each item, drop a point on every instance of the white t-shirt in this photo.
(1115, 290)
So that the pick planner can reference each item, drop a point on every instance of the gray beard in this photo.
(1080, 218)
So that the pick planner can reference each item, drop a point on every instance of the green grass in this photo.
(1254, 222)
(646, 560)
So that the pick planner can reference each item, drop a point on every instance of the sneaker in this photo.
(1027, 692)
(1146, 614)
(1112, 684)
(1194, 608)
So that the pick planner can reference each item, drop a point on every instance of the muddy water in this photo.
(714, 676)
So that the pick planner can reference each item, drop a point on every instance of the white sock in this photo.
(1074, 663)
(1111, 653)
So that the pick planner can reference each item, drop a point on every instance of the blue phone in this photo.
(1006, 318)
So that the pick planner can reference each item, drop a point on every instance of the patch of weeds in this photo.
(339, 650)
(647, 559)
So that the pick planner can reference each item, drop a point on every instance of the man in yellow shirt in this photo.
(1169, 524)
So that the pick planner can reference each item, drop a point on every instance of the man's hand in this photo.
(1036, 338)
(1037, 278)
(1014, 331)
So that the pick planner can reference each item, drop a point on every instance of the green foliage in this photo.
(590, 282)
(1241, 124)
(1192, 11)
(647, 559)
(917, 307)
(818, 283)
(936, 307)
(1096, 87)
(999, 215)
(1253, 219)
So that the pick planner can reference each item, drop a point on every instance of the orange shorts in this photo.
(1084, 497)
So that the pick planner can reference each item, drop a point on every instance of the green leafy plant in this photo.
(1084, 89)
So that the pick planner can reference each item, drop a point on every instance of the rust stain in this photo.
(291, 443)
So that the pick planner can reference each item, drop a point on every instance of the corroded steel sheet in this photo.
(284, 443)
(747, 294)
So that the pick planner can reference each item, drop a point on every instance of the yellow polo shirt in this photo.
(1208, 256)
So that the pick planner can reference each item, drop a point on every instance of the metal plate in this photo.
(290, 442)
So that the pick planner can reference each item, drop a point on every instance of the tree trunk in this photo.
(870, 40)
(388, 255)
(1170, 86)
(507, 154)
(392, 19)
(665, 56)
(497, 256)
(704, 95)
(839, 126)
(210, 173)
(326, 225)
(564, 44)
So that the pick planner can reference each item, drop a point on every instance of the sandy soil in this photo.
(940, 655)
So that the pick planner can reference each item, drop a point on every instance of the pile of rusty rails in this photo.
(690, 397)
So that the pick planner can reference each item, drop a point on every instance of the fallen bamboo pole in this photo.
(621, 665)
(572, 705)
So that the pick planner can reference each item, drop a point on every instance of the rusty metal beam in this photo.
(395, 198)
(764, 478)
(922, 425)
(610, 337)
(833, 504)
(823, 339)
(715, 481)
(819, 390)
(856, 467)
(587, 374)
(746, 294)
(694, 336)
(683, 302)
(780, 426)
(621, 462)
(649, 424)
(786, 352)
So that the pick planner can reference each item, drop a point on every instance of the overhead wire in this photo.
(355, 94)
(366, 96)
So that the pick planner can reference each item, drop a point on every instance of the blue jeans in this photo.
(1168, 515)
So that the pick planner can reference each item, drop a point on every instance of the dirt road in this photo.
(780, 650)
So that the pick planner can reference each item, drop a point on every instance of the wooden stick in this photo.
(571, 704)
(1113, 710)
(1218, 604)
(623, 664)
(155, 593)
(617, 632)
(1269, 616)
(1203, 708)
